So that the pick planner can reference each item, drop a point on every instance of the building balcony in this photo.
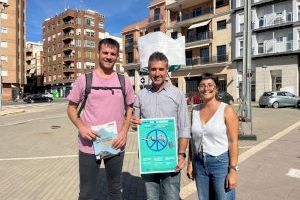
(68, 58)
(273, 47)
(68, 79)
(206, 60)
(189, 18)
(154, 21)
(68, 47)
(68, 24)
(68, 36)
(67, 69)
(199, 37)
(273, 21)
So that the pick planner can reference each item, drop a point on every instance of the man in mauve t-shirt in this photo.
(102, 106)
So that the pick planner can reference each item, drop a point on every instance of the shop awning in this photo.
(200, 24)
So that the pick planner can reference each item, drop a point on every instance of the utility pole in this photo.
(246, 110)
(3, 6)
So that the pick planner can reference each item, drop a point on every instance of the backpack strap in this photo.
(122, 83)
(87, 91)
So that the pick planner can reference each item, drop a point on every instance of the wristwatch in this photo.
(182, 154)
(235, 168)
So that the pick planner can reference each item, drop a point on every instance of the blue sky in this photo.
(118, 13)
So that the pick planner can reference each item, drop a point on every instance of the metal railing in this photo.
(190, 15)
(273, 19)
(274, 47)
(155, 18)
(199, 36)
(206, 60)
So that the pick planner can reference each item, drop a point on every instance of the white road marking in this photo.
(50, 157)
(30, 120)
(245, 147)
(187, 191)
(294, 173)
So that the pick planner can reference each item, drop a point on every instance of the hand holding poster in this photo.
(157, 145)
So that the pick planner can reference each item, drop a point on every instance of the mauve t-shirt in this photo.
(102, 106)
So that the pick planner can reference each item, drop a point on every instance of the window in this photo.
(174, 35)
(261, 21)
(197, 12)
(242, 3)
(156, 14)
(241, 48)
(221, 53)
(3, 30)
(219, 3)
(3, 44)
(89, 21)
(78, 65)
(129, 57)
(78, 31)
(221, 25)
(54, 57)
(88, 43)
(279, 39)
(260, 47)
(89, 33)
(78, 54)
(89, 54)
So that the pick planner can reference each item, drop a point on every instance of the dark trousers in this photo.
(89, 176)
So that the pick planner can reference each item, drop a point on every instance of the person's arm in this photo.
(184, 133)
(84, 131)
(122, 136)
(189, 169)
(136, 118)
(232, 124)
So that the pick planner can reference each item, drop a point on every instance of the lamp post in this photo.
(3, 6)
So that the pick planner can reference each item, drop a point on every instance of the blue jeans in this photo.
(169, 183)
(90, 177)
(211, 172)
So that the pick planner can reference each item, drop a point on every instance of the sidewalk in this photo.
(270, 170)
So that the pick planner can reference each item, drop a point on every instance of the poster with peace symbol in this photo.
(157, 145)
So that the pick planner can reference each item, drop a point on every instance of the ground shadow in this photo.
(133, 186)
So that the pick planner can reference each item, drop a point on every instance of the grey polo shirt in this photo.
(169, 102)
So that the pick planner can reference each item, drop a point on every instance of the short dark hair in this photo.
(158, 56)
(207, 76)
(109, 42)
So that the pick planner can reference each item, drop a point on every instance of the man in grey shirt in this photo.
(161, 100)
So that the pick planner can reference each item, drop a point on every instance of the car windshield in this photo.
(267, 94)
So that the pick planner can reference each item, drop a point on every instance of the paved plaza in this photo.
(38, 157)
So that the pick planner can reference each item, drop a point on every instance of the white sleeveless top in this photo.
(212, 135)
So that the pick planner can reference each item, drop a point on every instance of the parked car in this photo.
(278, 99)
(37, 98)
(225, 97)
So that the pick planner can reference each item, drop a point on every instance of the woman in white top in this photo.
(214, 144)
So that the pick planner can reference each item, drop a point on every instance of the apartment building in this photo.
(12, 46)
(34, 68)
(206, 26)
(275, 44)
(131, 33)
(70, 42)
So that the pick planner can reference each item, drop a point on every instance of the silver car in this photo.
(278, 99)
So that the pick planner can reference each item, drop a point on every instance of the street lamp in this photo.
(3, 6)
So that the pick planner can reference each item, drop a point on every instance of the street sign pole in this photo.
(246, 109)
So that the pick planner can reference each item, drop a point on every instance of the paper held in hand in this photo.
(103, 144)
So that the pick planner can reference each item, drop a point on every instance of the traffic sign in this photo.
(142, 80)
